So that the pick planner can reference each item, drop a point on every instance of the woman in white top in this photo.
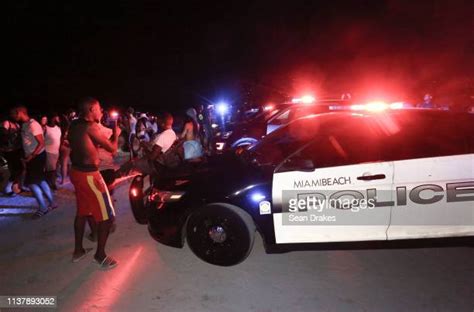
(52, 141)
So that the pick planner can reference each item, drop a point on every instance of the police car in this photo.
(330, 178)
(248, 133)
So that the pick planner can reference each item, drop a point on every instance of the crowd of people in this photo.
(42, 151)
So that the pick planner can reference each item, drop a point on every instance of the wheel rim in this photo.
(216, 240)
(217, 234)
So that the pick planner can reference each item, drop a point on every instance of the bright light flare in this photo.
(268, 107)
(114, 114)
(257, 197)
(134, 192)
(397, 105)
(376, 106)
(222, 108)
(306, 99)
(357, 107)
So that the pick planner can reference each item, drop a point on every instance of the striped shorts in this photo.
(92, 197)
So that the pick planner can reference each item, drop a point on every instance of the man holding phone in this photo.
(92, 196)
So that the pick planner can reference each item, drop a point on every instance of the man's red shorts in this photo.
(92, 196)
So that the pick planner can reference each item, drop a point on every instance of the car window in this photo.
(281, 118)
(430, 136)
(284, 141)
(353, 141)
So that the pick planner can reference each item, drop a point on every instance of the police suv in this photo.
(392, 175)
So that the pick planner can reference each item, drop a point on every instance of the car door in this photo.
(335, 189)
(434, 180)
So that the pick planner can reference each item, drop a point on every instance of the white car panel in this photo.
(438, 219)
(347, 225)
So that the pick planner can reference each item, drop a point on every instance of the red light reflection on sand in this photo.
(113, 283)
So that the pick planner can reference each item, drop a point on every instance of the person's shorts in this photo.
(192, 149)
(35, 170)
(51, 161)
(92, 197)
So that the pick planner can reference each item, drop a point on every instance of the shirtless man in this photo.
(92, 196)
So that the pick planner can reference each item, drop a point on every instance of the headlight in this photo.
(224, 135)
(220, 146)
(160, 197)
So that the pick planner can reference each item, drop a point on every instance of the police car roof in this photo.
(412, 113)
(405, 111)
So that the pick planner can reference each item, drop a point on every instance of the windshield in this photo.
(275, 147)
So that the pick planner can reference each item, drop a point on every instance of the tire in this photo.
(220, 234)
(137, 202)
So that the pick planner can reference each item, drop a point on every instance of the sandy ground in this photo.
(35, 259)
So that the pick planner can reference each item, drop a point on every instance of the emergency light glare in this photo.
(376, 106)
(114, 114)
(397, 105)
(222, 108)
(268, 108)
(134, 192)
(308, 99)
(357, 107)
(257, 197)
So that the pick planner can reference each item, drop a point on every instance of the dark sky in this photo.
(167, 56)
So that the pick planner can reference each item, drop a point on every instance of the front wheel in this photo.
(220, 234)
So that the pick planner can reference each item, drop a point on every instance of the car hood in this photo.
(220, 177)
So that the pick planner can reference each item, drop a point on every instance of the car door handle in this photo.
(371, 177)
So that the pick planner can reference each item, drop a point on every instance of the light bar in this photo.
(306, 99)
(378, 106)
(397, 105)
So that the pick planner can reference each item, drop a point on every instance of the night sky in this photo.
(159, 56)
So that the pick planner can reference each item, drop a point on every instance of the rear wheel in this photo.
(220, 234)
